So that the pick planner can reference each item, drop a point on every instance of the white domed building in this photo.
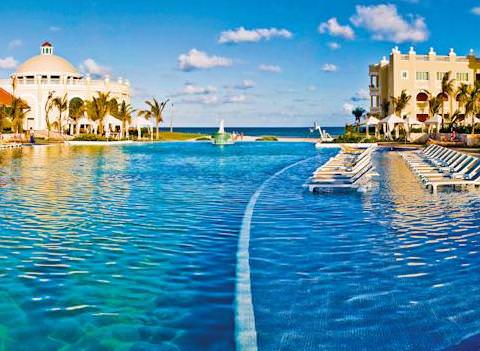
(38, 76)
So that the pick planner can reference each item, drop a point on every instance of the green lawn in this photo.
(177, 136)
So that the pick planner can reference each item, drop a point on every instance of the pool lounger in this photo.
(441, 167)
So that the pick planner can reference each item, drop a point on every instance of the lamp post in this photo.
(171, 120)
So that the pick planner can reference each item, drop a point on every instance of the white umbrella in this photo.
(140, 122)
(85, 121)
(390, 122)
(109, 120)
(371, 121)
(433, 122)
(437, 119)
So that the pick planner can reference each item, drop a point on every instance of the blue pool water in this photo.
(135, 248)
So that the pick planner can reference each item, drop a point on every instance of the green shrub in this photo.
(267, 138)
(204, 138)
(89, 137)
(350, 137)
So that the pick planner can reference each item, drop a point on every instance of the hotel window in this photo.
(462, 77)
(373, 81)
(422, 76)
(404, 75)
(440, 75)
(374, 101)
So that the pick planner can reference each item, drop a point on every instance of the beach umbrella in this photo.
(391, 121)
(110, 121)
(371, 121)
(140, 122)
(433, 122)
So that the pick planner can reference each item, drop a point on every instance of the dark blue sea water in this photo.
(135, 248)
(297, 132)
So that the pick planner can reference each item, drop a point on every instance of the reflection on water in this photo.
(392, 269)
(134, 248)
(125, 248)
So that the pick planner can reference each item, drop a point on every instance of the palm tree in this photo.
(48, 109)
(447, 90)
(17, 113)
(463, 92)
(113, 107)
(435, 104)
(155, 111)
(124, 113)
(385, 107)
(358, 112)
(97, 109)
(454, 118)
(61, 103)
(92, 112)
(472, 103)
(3, 116)
(401, 102)
(76, 109)
(102, 102)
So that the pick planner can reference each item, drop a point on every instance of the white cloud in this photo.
(8, 63)
(361, 95)
(246, 84)
(196, 59)
(214, 99)
(92, 67)
(329, 67)
(476, 10)
(386, 24)
(336, 29)
(241, 34)
(311, 88)
(334, 46)
(347, 107)
(235, 99)
(270, 68)
(210, 99)
(192, 89)
(16, 43)
(54, 29)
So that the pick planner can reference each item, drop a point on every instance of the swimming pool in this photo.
(135, 248)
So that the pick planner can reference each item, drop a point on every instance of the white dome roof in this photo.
(47, 64)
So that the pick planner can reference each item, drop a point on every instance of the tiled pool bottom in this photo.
(394, 268)
(134, 248)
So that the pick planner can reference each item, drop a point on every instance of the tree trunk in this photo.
(157, 132)
(443, 112)
(450, 108)
(60, 127)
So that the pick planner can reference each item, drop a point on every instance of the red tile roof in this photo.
(46, 44)
(5, 97)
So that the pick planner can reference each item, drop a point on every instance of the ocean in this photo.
(294, 132)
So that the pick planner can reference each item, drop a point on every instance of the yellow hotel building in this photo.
(421, 77)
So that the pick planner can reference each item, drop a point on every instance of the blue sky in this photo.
(254, 63)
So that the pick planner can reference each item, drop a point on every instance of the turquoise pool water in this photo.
(135, 248)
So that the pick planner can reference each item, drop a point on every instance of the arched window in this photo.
(422, 97)
(443, 96)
